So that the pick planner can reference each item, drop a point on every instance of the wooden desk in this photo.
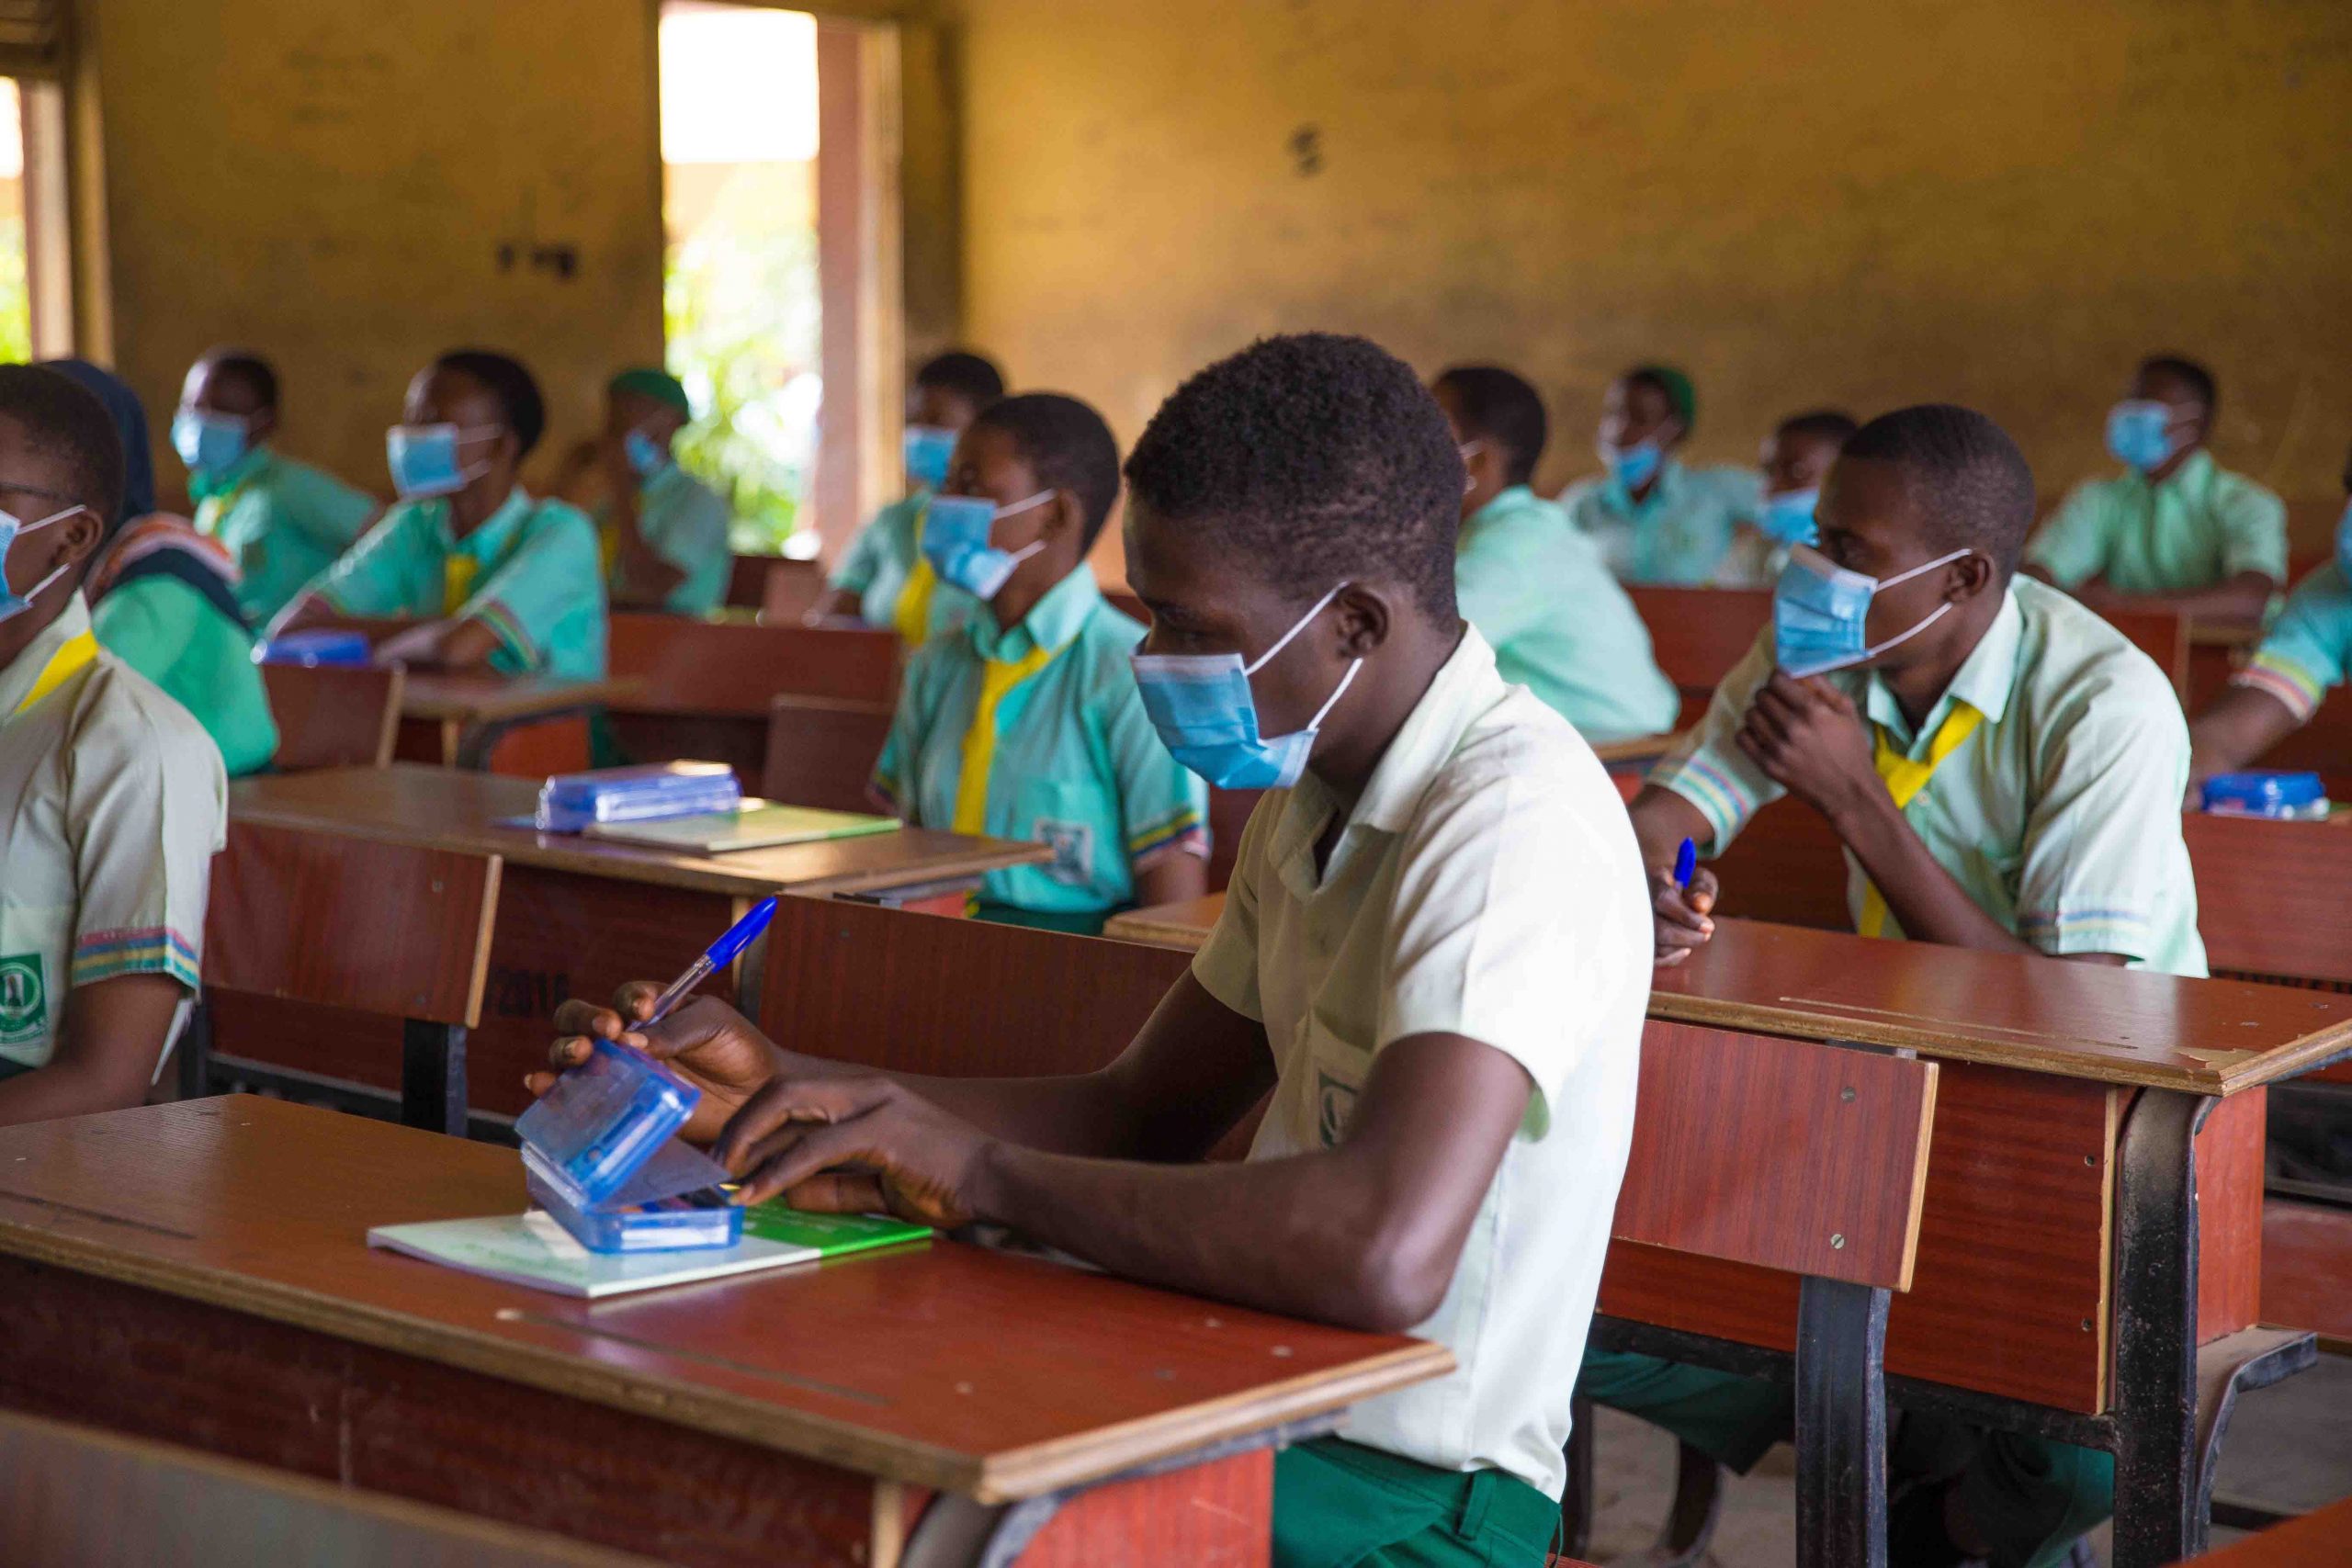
(1186, 925)
(2317, 1539)
(195, 1273)
(457, 720)
(1698, 634)
(2090, 1248)
(576, 916)
(708, 682)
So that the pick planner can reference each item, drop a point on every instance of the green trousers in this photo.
(1340, 1504)
(2031, 1497)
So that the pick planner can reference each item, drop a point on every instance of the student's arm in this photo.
(519, 606)
(115, 1033)
(2070, 551)
(1683, 919)
(441, 645)
(1163, 805)
(370, 578)
(1705, 791)
(2243, 722)
(2307, 653)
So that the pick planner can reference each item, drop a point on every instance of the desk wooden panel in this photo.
(330, 717)
(2307, 1269)
(150, 1251)
(821, 751)
(1186, 925)
(2317, 1539)
(1698, 634)
(708, 682)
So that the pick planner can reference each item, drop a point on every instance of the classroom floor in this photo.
(2289, 1448)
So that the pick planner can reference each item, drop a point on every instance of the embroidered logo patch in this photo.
(1334, 1103)
(24, 999)
(1073, 847)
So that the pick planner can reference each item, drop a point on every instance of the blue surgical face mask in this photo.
(1787, 518)
(646, 456)
(208, 441)
(929, 448)
(956, 541)
(1208, 716)
(2136, 434)
(1821, 612)
(1633, 467)
(13, 603)
(424, 458)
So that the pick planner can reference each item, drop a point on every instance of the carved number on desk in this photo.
(524, 993)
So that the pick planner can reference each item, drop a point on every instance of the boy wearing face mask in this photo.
(1025, 723)
(1655, 519)
(2307, 654)
(660, 531)
(883, 579)
(1451, 1044)
(112, 799)
(2175, 526)
(502, 581)
(2005, 773)
(284, 521)
(1793, 461)
(1532, 583)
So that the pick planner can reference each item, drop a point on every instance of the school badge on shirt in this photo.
(1334, 1103)
(1073, 847)
(24, 999)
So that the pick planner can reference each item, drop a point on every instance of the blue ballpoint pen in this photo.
(1686, 862)
(720, 955)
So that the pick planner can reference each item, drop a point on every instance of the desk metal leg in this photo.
(432, 1077)
(1841, 1425)
(2158, 1516)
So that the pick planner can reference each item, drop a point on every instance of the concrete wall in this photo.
(1864, 202)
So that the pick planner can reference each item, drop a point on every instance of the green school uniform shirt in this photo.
(886, 559)
(1534, 586)
(2200, 526)
(174, 635)
(685, 522)
(284, 521)
(1064, 755)
(530, 572)
(2061, 815)
(2308, 650)
(1679, 534)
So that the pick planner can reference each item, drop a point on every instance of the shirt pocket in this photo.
(1336, 1066)
(1068, 818)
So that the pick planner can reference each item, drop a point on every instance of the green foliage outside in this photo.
(740, 302)
(16, 303)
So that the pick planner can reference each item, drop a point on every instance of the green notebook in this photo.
(532, 1250)
(757, 825)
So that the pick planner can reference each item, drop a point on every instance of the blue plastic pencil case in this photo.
(601, 1155)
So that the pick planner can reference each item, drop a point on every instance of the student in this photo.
(662, 532)
(1532, 583)
(1451, 1045)
(505, 582)
(882, 578)
(112, 802)
(1655, 520)
(1796, 458)
(163, 598)
(2176, 527)
(2005, 771)
(1024, 722)
(284, 521)
(2307, 654)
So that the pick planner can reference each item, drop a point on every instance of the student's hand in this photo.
(1809, 739)
(852, 1141)
(706, 1042)
(1681, 918)
(420, 644)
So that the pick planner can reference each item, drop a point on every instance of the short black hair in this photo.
(2200, 380)
(971, 377)
(517, 393)
(1321, 458)
(1673, 386)
(1497, 406)
(1832, 425)
(61, 418)
(1968, 479)
(1068, 445)
(244, 364)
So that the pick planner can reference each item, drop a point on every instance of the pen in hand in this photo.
(720, 954)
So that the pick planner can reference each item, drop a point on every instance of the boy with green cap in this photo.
(1655, 520)
(284, 521)
(662, 532)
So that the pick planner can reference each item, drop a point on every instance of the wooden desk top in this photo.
(494, 699)
(2315, 1540)
(449, 809)
(1184, 925)
(937, 1365)
(2072, 1019)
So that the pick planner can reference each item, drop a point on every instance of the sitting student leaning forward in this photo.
(1451, 1045)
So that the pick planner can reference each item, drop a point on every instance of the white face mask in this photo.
(13, 603)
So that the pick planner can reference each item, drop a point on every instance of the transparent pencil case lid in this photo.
(568, 802)
(605, 1131)
(697, 1218)
(340, 650)
(2264, 792)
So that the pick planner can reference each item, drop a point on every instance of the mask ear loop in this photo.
(37, 589)
(1298, 626)
(1031, 549)
(1940, 612)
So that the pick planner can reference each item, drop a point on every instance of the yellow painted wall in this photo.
(1862, 202)
(332, 181)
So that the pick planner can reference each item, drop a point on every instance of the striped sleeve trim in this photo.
(2285, 680)
(1181, 823)
(509, 630)
(2086, 930)
(1718, 795)
(154, 949)
(1194, 842)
